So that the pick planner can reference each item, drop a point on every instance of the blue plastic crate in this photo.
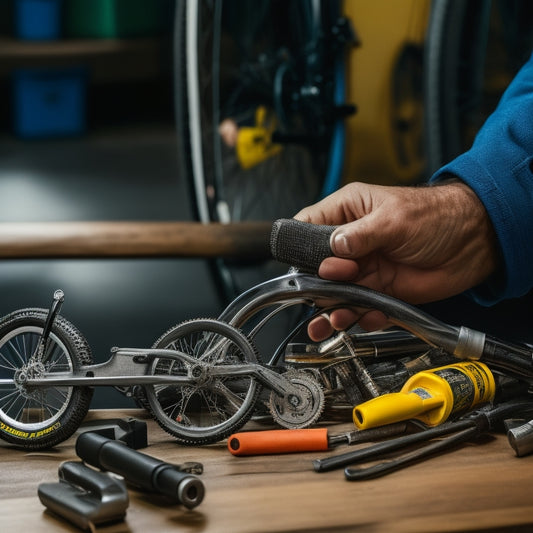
(38, 20)
(49, 102)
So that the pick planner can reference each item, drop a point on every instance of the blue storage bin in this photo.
(38, 19)
(49, 102)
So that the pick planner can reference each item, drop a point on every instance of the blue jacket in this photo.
(499, 168)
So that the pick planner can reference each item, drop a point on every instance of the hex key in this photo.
(382, 448)
(474, 424)
(380, 469)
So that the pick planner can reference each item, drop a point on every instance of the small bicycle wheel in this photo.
(258, 108)
(211, 408)
(40, 417)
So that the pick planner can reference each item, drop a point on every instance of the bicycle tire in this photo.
(473, 50)
(43, 417)
(213, 409)
(219, 47)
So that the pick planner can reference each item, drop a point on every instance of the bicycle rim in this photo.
(38, 411)
(233, 58)
(212, 408)
(229, 72)
(40, 417)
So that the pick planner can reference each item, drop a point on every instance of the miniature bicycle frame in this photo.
(201, 380)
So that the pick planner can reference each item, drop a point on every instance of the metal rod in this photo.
(247, 240)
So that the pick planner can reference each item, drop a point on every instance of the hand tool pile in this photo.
(435, 408)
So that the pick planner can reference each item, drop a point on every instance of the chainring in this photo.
(291, 414)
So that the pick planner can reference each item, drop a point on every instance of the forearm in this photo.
(498, 168)
(475, 231)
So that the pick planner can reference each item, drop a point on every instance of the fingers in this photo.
(325, 325)
(365, 226)
(361, 237)
(373, 320)
(336, 209)
(338, 269)
(320, 328)
(341, 319)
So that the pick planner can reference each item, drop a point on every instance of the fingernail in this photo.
(340, 244)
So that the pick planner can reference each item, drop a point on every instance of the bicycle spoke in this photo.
(218, 414)
(11, 348)
(8, 400)
(18, 411)
(211, 408)
(8, 366)
(55, 398)
(182, 396)
(233, 400)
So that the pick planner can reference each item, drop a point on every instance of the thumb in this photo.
(358, 238)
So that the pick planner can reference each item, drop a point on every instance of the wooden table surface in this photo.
(482, 486)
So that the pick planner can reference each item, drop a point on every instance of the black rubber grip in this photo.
(140, 469)
(300, 244)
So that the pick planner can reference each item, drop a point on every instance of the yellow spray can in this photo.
(431, 396)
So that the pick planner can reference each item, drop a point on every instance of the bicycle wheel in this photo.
(212, 408)
(40, 417)
(473, 50)
(259, 103)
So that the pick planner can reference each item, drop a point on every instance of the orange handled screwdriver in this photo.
(304, 440)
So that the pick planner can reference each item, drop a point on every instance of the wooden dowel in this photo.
(243, 240)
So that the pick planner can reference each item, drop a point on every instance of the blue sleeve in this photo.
(499, 168)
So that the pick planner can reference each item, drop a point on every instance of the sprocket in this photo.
(291, 414)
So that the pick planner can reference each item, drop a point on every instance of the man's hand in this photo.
(418, 244)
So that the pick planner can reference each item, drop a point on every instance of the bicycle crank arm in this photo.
(267, 377)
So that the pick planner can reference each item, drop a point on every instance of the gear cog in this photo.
(292, 412)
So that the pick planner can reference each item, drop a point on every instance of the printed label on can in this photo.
(469, 384)
(462, 387)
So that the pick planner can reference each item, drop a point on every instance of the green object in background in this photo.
(112, 18)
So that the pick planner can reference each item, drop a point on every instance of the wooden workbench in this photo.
(480, 487)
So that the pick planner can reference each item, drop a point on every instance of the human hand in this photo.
(418, 244)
